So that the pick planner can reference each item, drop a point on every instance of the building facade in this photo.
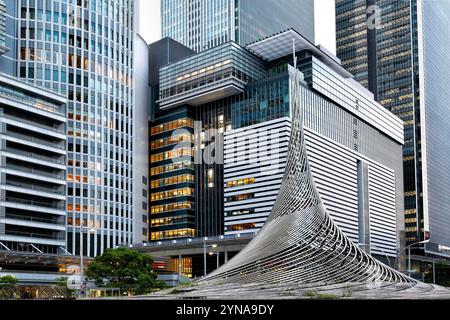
(238, 104)
(2, 27)
(203, 24)
(33, 168)
(393, 59)
(84, 51)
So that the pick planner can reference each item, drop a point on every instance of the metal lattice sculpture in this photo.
(300, 243)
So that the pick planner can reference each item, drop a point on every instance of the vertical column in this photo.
(363, 205)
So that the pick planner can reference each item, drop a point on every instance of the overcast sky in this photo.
(150, 20)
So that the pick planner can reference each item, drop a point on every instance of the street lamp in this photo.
(372, 246)
(204, 255)
(409, 254)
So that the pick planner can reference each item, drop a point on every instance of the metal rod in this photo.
(409, 261)
(204, 258)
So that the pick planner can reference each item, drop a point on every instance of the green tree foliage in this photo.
(62, 283)
(7, 287)
(442, 274)
(124, 268)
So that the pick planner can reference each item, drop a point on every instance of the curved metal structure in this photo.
(300, 243)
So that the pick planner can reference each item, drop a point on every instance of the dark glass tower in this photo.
(401, 62)
(203, 24)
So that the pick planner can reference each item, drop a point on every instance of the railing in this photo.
(34, 235)
(56, 190)
(29, 100)
(34, 139)
(190, 241)
(34, 155)
(35, 203)
(35, 171)
(57, 221)
(34, 123)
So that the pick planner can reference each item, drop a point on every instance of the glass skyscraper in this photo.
(399, 61)
(83, 49)
(203, 24)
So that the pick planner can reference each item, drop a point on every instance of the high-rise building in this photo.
(84, 51)
(203, 24)
(2, 27)
(396, 49)
(32, 168)
(227, 111)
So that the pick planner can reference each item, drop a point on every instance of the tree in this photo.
(442, 274)
(124, 268)
(62, 284)
(7, 287)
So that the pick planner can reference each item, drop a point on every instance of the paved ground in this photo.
(296, 291)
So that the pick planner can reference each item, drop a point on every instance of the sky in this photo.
(150, 20)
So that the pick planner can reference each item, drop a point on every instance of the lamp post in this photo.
(409, 254)
(204, 255)
(372, 246)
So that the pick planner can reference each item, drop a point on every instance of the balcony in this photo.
(53, 131)
(39, 173)
(54, 190)
(34, 237)
(32, 222)
(34, 203)
(32, 138)
(20, 97)
(31, 155)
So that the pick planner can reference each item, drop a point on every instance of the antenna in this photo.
(293, 53)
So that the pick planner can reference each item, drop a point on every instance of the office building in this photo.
(2, 27)
(33, 168)
(402, 60)
(33, 188)
(235, 100)
(84, 50)
(203, 24)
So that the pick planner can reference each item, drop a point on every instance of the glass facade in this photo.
(172, 176)
(353, 38)
(225, 65)
(2, 27)
(392, 51)
(204, 24)
(83, 49)
(432, 19)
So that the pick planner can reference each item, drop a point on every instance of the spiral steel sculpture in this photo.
(300, 243)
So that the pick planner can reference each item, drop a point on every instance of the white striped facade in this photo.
(335, 171)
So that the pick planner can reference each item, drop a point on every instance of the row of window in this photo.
(183, 192)
(171, 140)
(172, 125)
(172, 207)
(239, 182)
(169, 234)
(240, 227)
(172, 180)
(171, 167)
(240, 197)
(177, 153)
(168, 221)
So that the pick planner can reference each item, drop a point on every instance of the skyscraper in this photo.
(84, 50)
(202, 24)
(402, 59)
(2, 27)
(236, 101)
